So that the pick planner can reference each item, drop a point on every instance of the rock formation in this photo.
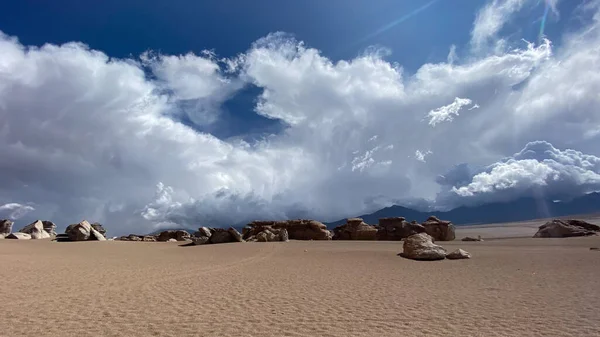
(468, 238)
(458, 254)
(397, 228)
(83, 231)
(5, 227)
(18, 236)
(177, 235)
(36, 230)
(206, 235)
(421, 247)
(439, 230)
(97, 226)
(49, 227)
(566, 228)
(297, 229)
(355, 229)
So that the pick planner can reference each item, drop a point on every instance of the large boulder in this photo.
(95, 235)
(300, 229)
(18, 236)
(237, 236)
(221, 235)
(99, 228)
(200, 240)
(49, 227)
(421, 247)
(439, 230)
(566, 228)
(203, 231)
(355, 229)
(80, 231)
(5, 227)
(177, 235)
(283, 235)
(397, 228)
(36, 230)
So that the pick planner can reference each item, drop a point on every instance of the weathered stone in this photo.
(172, 240)
(421, 247)
(468, 238)
(18, 236)
(221, 235)
(397, 228)
(178, 235)
(439, 230)
(148, 238)
(95, 235)
(203, 231)
(235, 234)
(283, 235)
(297, 229)
(566, 228)
(36, 230)
(98, 227)
(5, 227)
(355, 229)
(262, 236)
(49, 227)
(200, 240)
(458, 254)
(80, 231)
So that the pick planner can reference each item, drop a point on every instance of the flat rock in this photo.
(558, 228)
(458, 254)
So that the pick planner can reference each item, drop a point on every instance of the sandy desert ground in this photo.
(511, 287)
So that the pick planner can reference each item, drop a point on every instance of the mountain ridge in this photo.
(517, 210)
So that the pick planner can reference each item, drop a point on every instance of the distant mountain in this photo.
(517, 210)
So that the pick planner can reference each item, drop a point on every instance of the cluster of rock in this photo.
(209, 235)
(394, 229)
(83, 231)
(265, 234)
(566, 228)
(135, 237)
(355, 229)
(36, 230)
(300, 229)
(421, 247)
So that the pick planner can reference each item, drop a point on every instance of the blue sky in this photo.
(317, 121)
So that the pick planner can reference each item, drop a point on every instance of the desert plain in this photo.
(513, 285)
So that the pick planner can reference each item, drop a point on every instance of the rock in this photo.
(439, 230)
(458, 254)
(95, 235)
(300, 229)
(235, 234)
(177, 235)
(566, 228)
(148, 238)
(396, 229)
(172, 240)
(595, 248)
(49, 227)
(262, 237)
(220, 235)
(200, 240)
(5, 227)
(36, 230)
(18, 236)
(283, 235)
(80, 231)
(468, 238)
(203, 231)
(98, 227)
(421, 247)
(355, 229)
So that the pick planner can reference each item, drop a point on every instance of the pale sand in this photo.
(511, 287)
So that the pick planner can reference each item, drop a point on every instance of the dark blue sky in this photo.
(126, 28)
